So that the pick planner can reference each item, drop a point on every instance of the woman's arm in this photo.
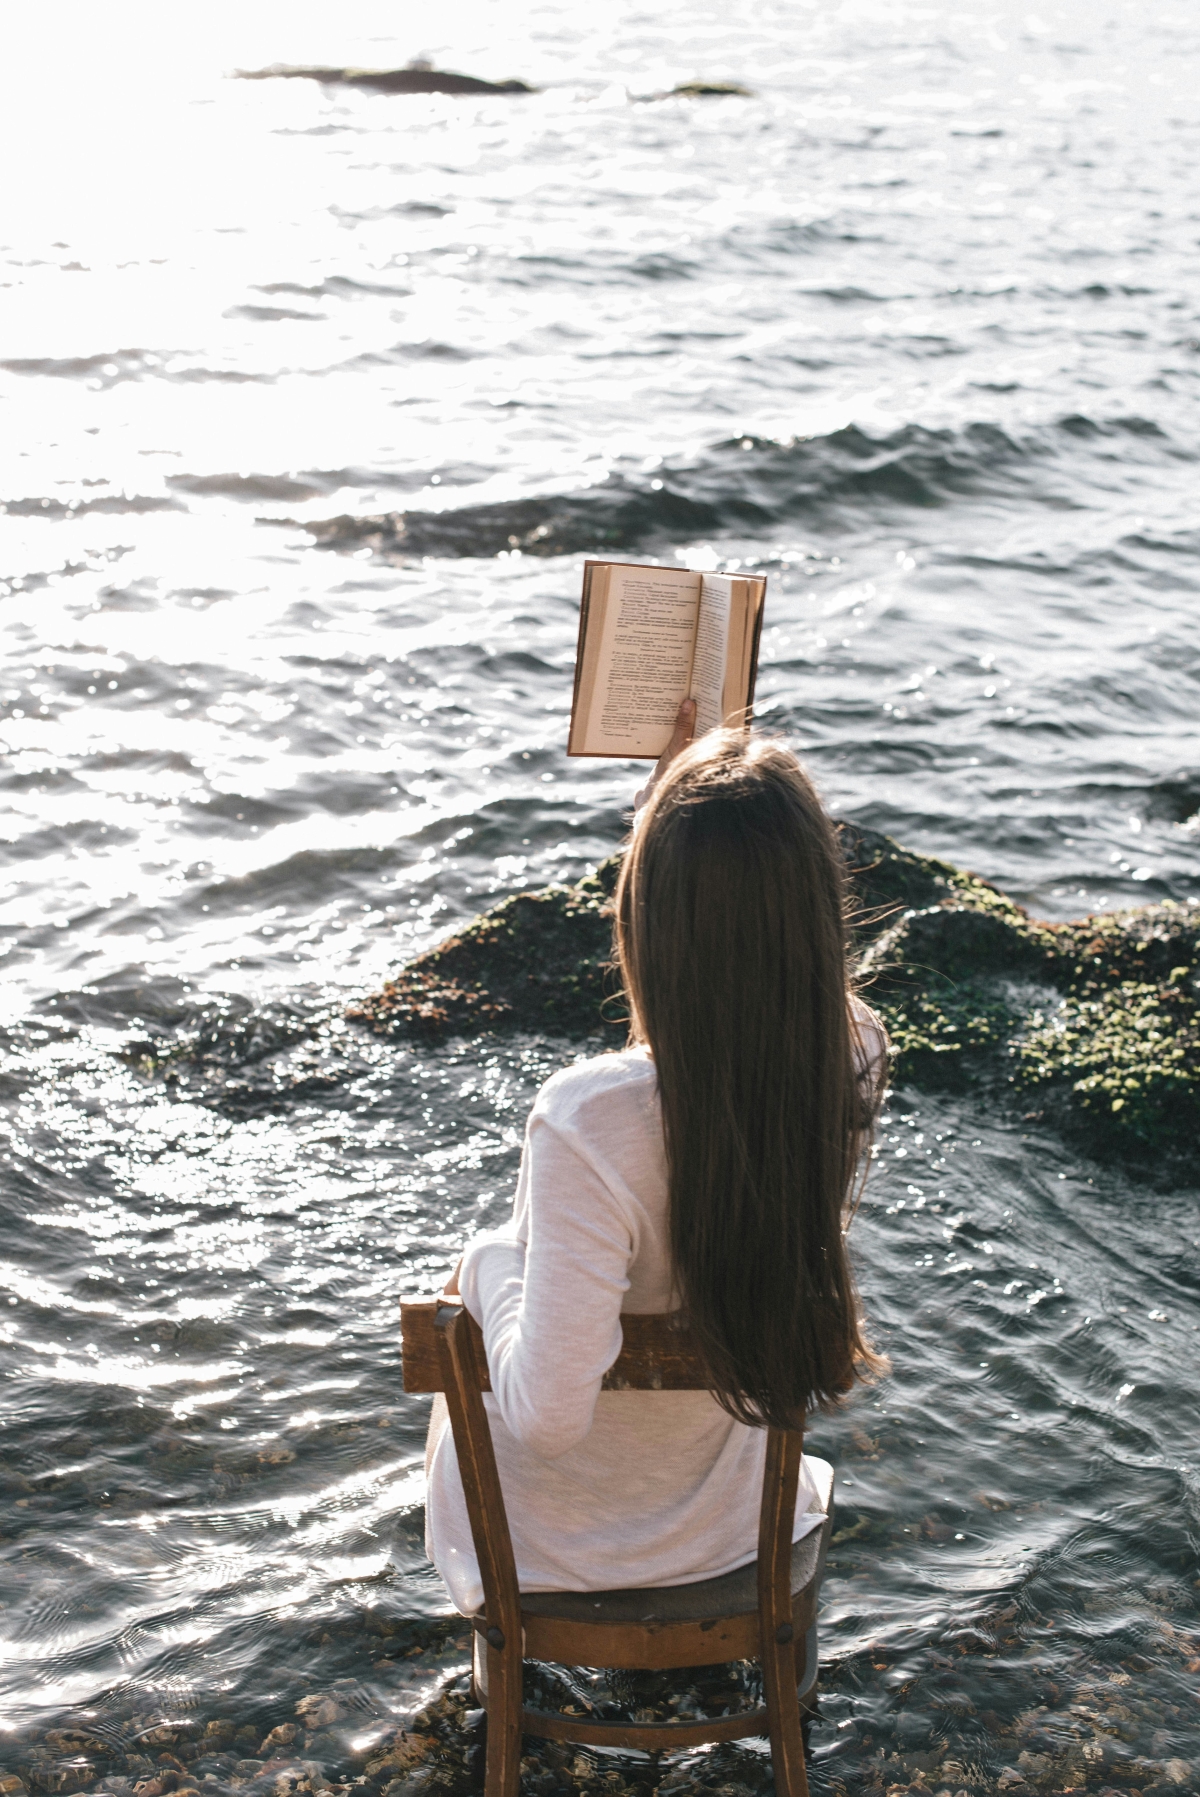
(550, 1307)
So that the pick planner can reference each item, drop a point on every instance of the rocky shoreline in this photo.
(340, 1740)
(1092, 1025)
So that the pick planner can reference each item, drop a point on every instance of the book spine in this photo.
(753, 681)
(579, 642)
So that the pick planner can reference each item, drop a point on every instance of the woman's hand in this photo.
(681, 736)
(450, 1289)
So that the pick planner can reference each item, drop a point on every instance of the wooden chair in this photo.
(763, 1611)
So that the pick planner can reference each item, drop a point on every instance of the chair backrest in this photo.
(443, 1352)
(657, 1353)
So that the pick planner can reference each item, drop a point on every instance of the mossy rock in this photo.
(538, 961)
(886, 880)
(1096, 1021)
(541, 960)
(945, 1039)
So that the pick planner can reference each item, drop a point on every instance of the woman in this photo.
(710, 1165)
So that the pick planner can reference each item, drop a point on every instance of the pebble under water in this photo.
(911, 326)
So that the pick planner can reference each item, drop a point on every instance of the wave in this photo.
(255, 486)
(305, 484)
(58, 509)
(106, 366)
(742, 486)
(273, 314)
(110, 368)
(341, 286)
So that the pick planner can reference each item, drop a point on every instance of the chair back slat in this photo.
(462, 1363)
(657, 1353)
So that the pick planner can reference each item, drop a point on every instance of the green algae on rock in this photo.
(1096, 1021)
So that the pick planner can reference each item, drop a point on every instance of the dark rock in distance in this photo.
(704, 90)
(417, 79)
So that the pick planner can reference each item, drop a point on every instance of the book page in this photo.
(712, 648)
(633, 680)
(733, 692)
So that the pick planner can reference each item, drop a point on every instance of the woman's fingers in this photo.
(681, 736)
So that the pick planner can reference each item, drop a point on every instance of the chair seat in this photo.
(733, 1594)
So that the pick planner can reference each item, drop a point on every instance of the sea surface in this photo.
(914, 327)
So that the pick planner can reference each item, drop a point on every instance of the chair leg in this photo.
(806, 1685)
(779, 1666)
(807, 1652)
(505, 1670)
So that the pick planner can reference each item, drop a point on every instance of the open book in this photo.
(649, 637)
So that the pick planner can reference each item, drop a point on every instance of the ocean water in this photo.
(912, 327)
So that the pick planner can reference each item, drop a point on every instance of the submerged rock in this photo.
(243, 1059)
(1095, 1022)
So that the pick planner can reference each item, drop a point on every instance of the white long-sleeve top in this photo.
(604, 1490)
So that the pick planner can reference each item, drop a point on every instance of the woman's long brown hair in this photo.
(731, 940)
